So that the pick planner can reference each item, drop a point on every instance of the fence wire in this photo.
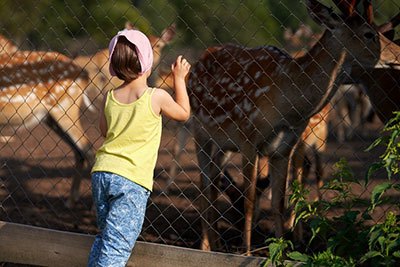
(54, 73)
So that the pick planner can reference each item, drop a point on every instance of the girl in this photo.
(130, 121)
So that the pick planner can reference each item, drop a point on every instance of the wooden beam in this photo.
(45, 247)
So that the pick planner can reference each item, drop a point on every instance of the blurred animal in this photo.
(45, 86)
(351, 110)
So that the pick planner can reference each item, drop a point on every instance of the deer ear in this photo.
(129, 26)
(168, 34)
(323, 15)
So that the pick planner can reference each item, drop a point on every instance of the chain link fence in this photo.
(54, 73)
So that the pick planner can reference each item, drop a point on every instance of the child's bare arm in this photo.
(178, 109)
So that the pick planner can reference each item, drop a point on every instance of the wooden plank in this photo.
(39, 246)
(155, 255)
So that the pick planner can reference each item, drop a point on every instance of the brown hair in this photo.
(124, 60)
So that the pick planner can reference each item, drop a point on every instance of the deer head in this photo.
(351, 29)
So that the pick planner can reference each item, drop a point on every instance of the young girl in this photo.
(122, 176)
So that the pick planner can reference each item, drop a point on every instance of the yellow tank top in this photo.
(133, 138)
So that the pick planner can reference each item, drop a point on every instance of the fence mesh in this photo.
(45, 95)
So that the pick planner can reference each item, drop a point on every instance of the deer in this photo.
(45, 86)
(258, 101)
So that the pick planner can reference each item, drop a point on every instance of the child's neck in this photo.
(138, 84)
(129, 92)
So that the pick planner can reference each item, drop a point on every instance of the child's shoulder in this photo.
(158, 92)
(161, 96)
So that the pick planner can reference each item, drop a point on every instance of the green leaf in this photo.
(378, 191)
(372, 169)
(370, 255)
(392, 245)
(273, 251)
(297, 256)
(376, 143)
(374, 235)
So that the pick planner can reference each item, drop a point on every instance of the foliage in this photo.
(52, 24)
(277, 248)
(384, 242)
(324, 258)
(390, 139)
(349, 239)
(58, 24)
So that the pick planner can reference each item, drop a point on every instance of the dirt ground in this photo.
(35, 179)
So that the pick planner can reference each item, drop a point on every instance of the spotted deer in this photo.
(45, 86)
(259, 101)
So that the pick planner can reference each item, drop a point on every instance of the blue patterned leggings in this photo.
(120, 206)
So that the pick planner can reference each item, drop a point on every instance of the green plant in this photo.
(324, 258)
(384, 242)
(336, 230)
(277, 248)
(348, 239)
(390, 159)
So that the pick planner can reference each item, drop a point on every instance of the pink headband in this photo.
(143, 48)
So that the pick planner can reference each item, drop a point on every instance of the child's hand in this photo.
(180, 68)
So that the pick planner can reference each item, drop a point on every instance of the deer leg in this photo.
(66, 124)
(180, 141)
(216, 171)
(249, 164)
(182, 137)
(204, 147)
(79, 158)
(263, 167)
(52, 124)
(279, 166)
